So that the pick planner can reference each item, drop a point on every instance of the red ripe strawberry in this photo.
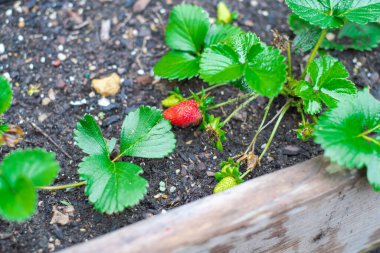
(184, 114)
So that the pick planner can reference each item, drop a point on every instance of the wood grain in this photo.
(297, 209)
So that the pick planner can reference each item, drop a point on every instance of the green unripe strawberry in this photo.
(172, 100)
(224, 15)
(225, 184)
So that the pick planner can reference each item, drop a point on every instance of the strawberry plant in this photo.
(114, 185)
(240, 59)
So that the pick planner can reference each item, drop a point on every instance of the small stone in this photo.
(9, 12)
(162, 186)
(263, 146)
(172, 189)
(60, 48)
(291, 150)
(210, 173)
(46, 101)
(104, 102)
(21, 23)
(42, 117)
(140, 72)
(43, 60)
(107, 86)
(51, 247)
(241, 116)
(56, 63)
(60, 84)
(82, 230)
(105, 30)
(31, 66)
(20, 38)
(80, 102)
(61, 57)
(330, 36)
(2, 48)
(140, 5)
(51, 94)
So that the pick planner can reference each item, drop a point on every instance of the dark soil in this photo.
(136, 43)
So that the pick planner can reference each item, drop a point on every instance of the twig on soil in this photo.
(38, 129)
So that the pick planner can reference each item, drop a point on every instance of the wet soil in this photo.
(37, 33)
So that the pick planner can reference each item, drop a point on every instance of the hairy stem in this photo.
(62, 187)
(284, 110)
(290, 64)
(371, 140)
(241, 106)
(252, 144)
(229, 101)
(314, 52)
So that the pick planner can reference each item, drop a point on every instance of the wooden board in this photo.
(297, 209)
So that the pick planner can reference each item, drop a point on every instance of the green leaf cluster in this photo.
(350, 135)
(188, 33)
(334, 14)
(361, 37)
(245, 59)
(328, 85)
(21, 173)
(111, 185)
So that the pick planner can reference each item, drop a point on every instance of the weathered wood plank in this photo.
(298, 209)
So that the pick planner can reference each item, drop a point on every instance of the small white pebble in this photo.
(330, 36)
(172, 189)
(31, 67)
(61, 56)
(104, 102)
(2, 48)
(140, 72)
(263, 146)
(43, 60)
(20, 38)
(265, 13)
(72, 79)
(9, 12)
(60, 48)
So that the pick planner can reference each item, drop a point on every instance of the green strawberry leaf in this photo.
(306, 35)
(18, 200)
(145, 133)
(89, 137)
(39, 166)
(333, 13)
(177, 65)
(5, 95)
(187, 28)
(349, 134)
(355, 36)
(20, 173)
(220, 33)
(350, 36)
(329, 84)
(244, 57)
(112, 186)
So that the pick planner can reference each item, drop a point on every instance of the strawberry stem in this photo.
(241, 106)
(61, 187)
(283, 111)
(314, 52)
(252, 144)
